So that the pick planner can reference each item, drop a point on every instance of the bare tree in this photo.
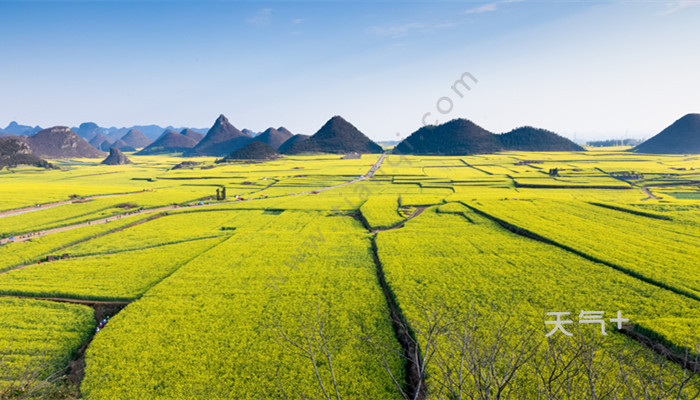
(309, 340)
(457, 351)
(480, 356)
(461, 353)
(656, 377)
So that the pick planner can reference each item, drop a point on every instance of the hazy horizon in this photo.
(586, 70)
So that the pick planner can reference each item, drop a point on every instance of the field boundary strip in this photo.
(415, 382)
(189, 260)
(650, 195)
(152, 246)
(91, 298)
(661, 346)
(415, 378)
(631, 211)
(546, 186)
(478, 169)
(91, 303)
(458, 213)
(418, 211)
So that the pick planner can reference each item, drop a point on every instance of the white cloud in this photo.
(298, 21)
(674, 6)
(488, 7)
(261, 18)
(482, 8)
(423, 27)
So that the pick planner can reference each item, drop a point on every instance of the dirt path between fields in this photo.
(414, 369)
(29, 236)
(415, 381)
(24, 210)
(649, 194)
(91, 303)
(102, 309)
(141, 221)
(418, 211)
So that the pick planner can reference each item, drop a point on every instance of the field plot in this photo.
(120, 276)
(281, 291)
(299, 273)
(686, 211)
(80, 211)
(456, 263)
(381, 211)
(177, 226)
(38, 338)
(575, 179)
(36, 248)
(23, 194)
(660, 251)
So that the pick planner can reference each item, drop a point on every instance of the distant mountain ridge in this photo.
(61, 142)
(456, 137)
(14, 151)
(122, 146)
(169, 142)
(192, 134)
(336, 136)
(255, 150)
(285, 131)
(292, 142)
(463, 137)
(274, 137)
(101, 142)
(136, 139)
(88, 130)
(528, 138)
(222, 139)
(13, 128)
(681, 137)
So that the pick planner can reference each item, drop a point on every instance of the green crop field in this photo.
(313, 280)
(233, 305)
(37, 339)
(460, 259)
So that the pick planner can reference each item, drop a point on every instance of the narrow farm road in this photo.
(369, 174)
(24, 210)
(648, 193)
(23, 238)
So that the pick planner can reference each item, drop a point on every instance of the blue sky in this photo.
(585, 69)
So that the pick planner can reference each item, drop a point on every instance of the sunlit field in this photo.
(315, 279)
